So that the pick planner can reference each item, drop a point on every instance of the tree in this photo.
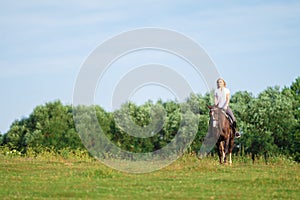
(52, 125)
(1, 139)
(295, 138)
(269, 122)
(14, 138)
(240, 104)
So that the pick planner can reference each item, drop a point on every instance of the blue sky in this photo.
(43, 44)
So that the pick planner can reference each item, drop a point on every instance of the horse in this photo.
(220, 127)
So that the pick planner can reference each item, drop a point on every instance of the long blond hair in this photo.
(220, 79)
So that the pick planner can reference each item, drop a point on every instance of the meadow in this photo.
(61, 177)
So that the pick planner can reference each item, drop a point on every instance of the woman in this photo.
(222, 99)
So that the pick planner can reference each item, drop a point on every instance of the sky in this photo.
(43, 44)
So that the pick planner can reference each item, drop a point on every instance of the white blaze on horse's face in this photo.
(214, 124)
(214, 119)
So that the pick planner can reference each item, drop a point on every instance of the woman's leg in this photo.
(230, 113)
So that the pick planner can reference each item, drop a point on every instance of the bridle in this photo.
(215, 117)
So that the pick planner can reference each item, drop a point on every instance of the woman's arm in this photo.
(216, 99)
(227, 101)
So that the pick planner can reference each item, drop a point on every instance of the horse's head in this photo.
(217, 115)
(214, 114)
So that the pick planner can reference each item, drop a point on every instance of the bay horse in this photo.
(219, 126)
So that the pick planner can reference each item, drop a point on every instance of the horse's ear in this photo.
(212, 107)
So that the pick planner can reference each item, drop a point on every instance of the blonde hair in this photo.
(220, 79)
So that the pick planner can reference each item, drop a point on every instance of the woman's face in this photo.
(220, 83)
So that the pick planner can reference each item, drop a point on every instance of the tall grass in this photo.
(49, 154)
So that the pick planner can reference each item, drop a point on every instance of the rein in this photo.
(213, 117)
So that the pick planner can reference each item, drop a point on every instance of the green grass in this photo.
(187, 178)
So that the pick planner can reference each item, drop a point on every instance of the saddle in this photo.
(231, 122)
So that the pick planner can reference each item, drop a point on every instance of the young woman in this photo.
(222, 99)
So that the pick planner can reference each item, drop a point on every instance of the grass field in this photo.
(187, 178)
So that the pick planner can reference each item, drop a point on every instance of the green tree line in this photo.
(269, 124)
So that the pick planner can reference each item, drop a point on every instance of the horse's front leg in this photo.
(221, 152)
(225, 151)
(230, 161)
(231, 145)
